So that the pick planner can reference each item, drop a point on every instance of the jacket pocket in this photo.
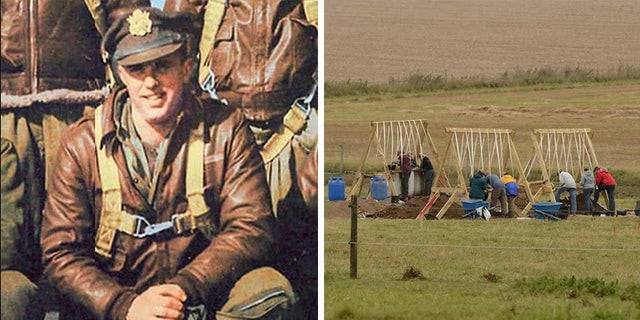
(224, 54)
(13, 35)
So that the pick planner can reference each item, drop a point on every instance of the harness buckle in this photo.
(304, 103)
(209, 84)
(144, 228)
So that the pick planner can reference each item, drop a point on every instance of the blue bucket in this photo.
(378, 188)
(336, 189)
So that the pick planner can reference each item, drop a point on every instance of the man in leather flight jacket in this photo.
(210, 265)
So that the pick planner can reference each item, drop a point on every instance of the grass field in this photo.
(580, 268)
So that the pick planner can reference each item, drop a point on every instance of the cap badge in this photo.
(139, 23)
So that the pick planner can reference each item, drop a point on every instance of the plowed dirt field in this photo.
(374, 40)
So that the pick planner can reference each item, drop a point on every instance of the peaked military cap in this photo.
(144, 34)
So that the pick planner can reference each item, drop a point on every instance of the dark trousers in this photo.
(572, 197)
(428, 181)
(512, 206)
(588, 205)
(404, 187)
(611, 193)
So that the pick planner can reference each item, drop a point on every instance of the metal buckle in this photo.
(208, 85)
(145, 229)
(304, 103)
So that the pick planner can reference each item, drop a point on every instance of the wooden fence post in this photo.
(354, 237)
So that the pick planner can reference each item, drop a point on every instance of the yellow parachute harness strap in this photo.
(311, 11)
(99, 15)
(113, 218)
(96, 9)
(213, 15)
(293, 123)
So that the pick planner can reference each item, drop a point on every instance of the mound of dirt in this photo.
(387, 210)
(412, 208)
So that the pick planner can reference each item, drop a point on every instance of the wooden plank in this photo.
(562, 130)
(395, 122)
(550, 216)
(543, 166)
(527, 188)
(446, 206)
(461, 178)
(478, 130)
(441, 169)
(356, 189)
(432, 199)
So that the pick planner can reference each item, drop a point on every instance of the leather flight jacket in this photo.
(50, 45)
(257, 55)
(206, 262)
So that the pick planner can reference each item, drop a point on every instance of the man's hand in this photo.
(163, 301)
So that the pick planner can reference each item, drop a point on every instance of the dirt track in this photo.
(377, 39)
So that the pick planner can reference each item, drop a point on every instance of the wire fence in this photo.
(391, 244)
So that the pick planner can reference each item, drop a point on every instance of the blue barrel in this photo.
(378, 188)
(336, 189)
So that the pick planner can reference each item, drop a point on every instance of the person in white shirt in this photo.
(567, 183)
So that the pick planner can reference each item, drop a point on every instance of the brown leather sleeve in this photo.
(308, 179)
(68, 228)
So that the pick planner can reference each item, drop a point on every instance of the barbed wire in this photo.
(479, 247)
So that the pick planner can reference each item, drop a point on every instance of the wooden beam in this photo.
(478, 130)
(446, 206)
(527, 188)
(358, 183)
(561, 131)
(543, 166)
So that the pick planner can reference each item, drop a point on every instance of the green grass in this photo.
(581, 268)
(541, 78)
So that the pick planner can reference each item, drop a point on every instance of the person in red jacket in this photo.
(605, 181)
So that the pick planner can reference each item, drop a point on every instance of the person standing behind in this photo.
(159, 207)
(587, 180)
(427, 168)
(478, 186)
(606, 182)
(498, 192)
(567, 183)
(52, 71)
(406, 167)
(18, 291)
(511, 187)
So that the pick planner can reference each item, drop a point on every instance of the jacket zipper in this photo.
(32, 28)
